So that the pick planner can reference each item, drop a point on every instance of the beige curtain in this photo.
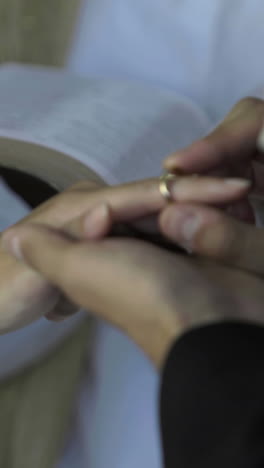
(36, 406)
(37, 31)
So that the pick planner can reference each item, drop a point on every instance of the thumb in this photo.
(88, 272)
(211, 233)
(233, 141)
(39, 246)
(70, 265)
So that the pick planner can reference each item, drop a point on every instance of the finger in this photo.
(211, 233)
(233, 140)
(83, 271)
(61, 260)
(128, 201)
(133, 200)
(210, 190)
(98, 222)
(95, 224)
(138, 199)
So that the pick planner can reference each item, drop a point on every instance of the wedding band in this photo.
(165, 184)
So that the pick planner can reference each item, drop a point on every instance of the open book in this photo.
(57, 126)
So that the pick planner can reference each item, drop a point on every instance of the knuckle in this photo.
(219, 240)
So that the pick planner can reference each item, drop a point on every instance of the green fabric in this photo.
(36, 406)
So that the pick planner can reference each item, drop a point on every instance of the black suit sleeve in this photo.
(212, 399)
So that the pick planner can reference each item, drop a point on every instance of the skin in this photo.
(89, 267)
(25, 295)
(234, 147)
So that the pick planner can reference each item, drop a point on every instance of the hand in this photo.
(25, 295)
(210, 233)
(152, 295)
(230, 150)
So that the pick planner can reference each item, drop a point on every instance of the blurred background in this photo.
(37, 31)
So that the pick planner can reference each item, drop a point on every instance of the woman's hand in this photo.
(24, 295)
(152, 295)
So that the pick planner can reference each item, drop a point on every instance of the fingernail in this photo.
(11, 243)
(172, 161)
(184, 227)
(238, 183)
(94, 220)
(221, 186)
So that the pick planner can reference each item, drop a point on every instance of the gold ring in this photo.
(164, 186)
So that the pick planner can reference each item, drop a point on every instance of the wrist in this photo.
(25, 295)
(155, 335)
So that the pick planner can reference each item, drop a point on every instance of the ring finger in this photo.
(134, 201)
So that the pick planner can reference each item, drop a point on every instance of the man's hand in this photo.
(152, 295)
(230, 150)
(210, 233)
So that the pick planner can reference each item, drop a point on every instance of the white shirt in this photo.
(209, 50)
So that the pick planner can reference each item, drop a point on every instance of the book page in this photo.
(122, 131)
